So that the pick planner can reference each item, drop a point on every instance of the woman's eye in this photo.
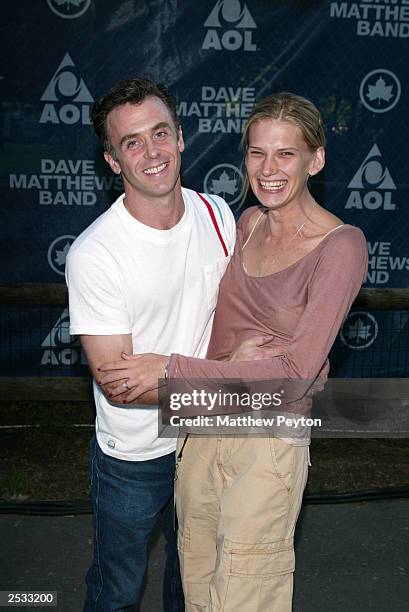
(287, 153)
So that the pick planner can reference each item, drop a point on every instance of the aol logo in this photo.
(372, 184)
(359, 331)
(59, 347)
(68, 98)
(224, 180)
(57, 253)
(230, 27)
(69, 9)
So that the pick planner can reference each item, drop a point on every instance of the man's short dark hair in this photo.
(129, 91)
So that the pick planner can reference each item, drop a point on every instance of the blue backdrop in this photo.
(217, 57)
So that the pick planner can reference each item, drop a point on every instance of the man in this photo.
(143, 277)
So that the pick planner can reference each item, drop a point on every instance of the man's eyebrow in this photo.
(161, 124)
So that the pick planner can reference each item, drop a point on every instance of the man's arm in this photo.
(102, 349)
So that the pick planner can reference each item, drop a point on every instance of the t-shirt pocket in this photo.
(213, 275)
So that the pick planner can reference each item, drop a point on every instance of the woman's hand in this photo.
(138, 373)
(256, 348)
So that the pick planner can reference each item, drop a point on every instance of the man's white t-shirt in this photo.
(161, 286)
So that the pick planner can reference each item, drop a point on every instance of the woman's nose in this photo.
(269, 166)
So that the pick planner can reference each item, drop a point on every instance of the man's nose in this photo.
(151, 149)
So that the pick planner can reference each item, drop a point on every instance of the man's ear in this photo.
(318, 162)
(114, 165)
(181, 142)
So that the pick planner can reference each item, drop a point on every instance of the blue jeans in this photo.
(128, 497)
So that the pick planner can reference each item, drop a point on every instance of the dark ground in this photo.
(350, 556)
(50, 460)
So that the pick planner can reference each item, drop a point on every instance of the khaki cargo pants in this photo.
(238, 500)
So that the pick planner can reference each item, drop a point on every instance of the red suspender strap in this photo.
(216, 227)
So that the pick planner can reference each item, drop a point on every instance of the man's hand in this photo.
(256, 348)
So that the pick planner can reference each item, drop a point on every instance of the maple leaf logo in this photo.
(69, 2)
(61, 256)
(358, 331)
(380, 91)
(224, 184)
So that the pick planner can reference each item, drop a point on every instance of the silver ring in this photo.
(125, 385)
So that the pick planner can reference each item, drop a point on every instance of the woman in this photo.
(294, 274)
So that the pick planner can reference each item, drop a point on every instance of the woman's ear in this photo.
(318, 161)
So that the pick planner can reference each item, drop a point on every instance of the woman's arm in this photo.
(336, 281)
(142, 373)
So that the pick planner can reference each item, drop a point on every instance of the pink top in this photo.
(302, 307)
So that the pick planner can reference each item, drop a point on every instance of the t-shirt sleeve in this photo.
(335, 281)
(96, 302)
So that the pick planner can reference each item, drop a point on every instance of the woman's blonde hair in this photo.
(286, 106)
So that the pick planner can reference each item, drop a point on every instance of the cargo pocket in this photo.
(257, 576)
(197, 554)
(261, 559)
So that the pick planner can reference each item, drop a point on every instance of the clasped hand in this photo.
(129, 378)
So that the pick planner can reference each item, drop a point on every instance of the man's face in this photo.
(147, 147)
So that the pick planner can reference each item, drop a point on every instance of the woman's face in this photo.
(278, 162)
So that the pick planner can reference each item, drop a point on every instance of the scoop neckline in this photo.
(296, 262)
